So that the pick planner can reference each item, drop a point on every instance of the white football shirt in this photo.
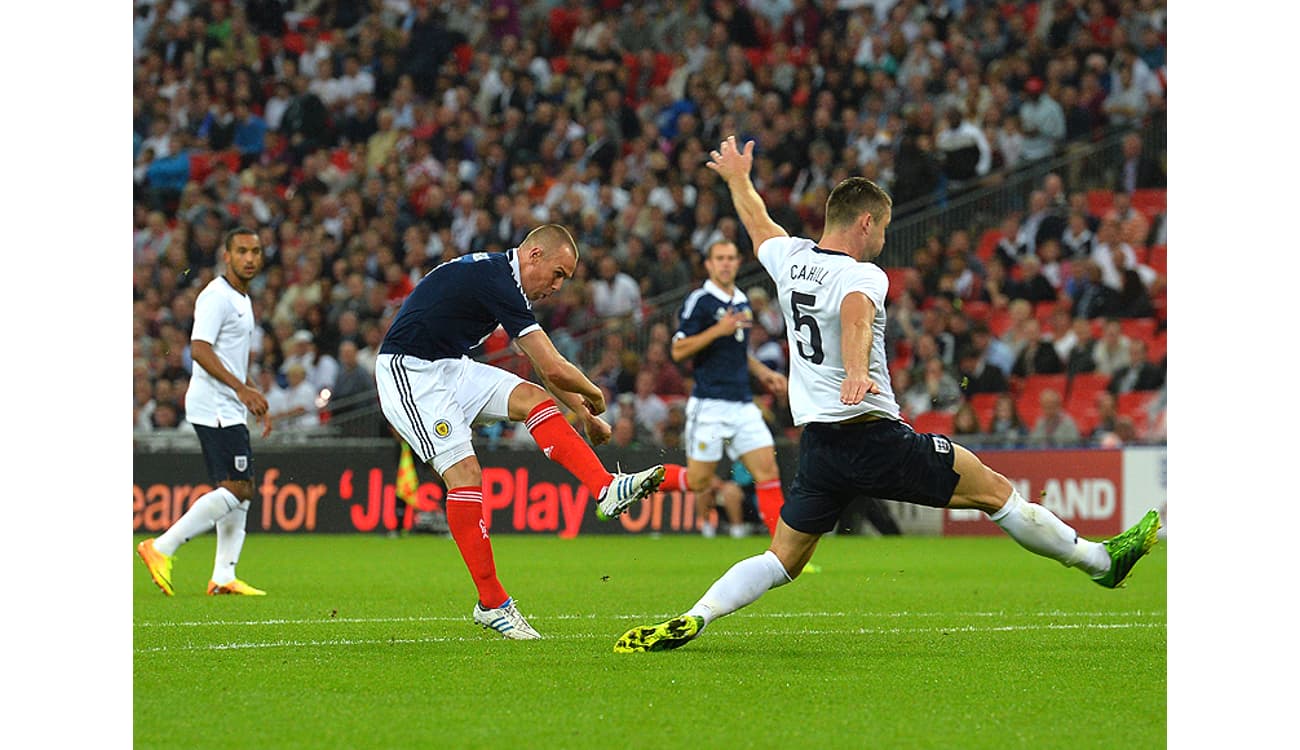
(811, 283)
(223, 317)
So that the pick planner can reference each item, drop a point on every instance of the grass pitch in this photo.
(366, 642)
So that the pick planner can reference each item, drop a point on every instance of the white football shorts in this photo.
(713, 423)
(434, 405)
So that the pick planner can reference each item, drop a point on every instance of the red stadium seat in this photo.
(1099, 202)
(1134, 406)
(1133, 401)
(1029, 412)
(987, 244)
(1150, 202)
(983, 404)
(1032, 386)
(1030, 391)
(1084, 387)
(1157, 347)
(200, 165)
(999, 321)
(977, 311)
(1139, 328)
(1157, 259)
(293, 43)
(1085, 419)
(464, 56)
(933, 421)
(1161, 304)
(897, 282)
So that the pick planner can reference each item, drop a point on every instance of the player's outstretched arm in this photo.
(772, 380)
(688, 346)
(856, 313)
(733, 165)
(567, 383)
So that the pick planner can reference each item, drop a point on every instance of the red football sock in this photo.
(465, 518)
(563, 445)
(770, 500)
(674, 478)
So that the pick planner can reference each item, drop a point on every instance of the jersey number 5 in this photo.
(801, 319)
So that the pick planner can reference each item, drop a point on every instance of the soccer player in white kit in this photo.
(854, 441)
(217, 403)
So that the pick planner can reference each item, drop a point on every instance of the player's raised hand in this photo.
(596, 406)
(776, 383)
(729, 161)
(253, 399)
(732, 321)
(855, 388)
(598, 430)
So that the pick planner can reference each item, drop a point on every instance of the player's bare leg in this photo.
(700, 476)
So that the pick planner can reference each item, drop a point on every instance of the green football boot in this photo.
(1127, 548)
(662, 637)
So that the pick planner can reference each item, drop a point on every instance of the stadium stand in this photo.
(452, 131)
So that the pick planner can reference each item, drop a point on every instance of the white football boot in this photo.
(506, 620)
(627, 489)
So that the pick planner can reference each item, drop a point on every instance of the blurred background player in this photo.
(721, 415)
(220, 396)
(854, 440)
(432, 393)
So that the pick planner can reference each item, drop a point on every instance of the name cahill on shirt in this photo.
(815, 274)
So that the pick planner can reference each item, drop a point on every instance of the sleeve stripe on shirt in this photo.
(689, 307)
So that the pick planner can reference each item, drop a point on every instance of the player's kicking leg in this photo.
(615, 492)
(1037, 529)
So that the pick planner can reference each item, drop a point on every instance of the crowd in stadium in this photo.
(367, 142)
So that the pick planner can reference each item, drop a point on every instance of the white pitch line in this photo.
(651, 616)
(235, 646)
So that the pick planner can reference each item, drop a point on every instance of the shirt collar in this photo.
(736, 295)
(512, 255)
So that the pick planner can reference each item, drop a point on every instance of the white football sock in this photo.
(230, 540)
(741, 585)
(1038, 530)
(199, 519)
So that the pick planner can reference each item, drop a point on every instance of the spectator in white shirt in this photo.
(297, 404)
(614, 294)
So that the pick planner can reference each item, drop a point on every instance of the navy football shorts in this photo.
(884, 459)
(227, 452)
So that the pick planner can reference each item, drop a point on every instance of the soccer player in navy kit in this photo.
(432, 393)
(854, 440)
(217, 403)
(720, 413)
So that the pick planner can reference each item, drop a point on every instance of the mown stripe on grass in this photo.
(651, 616)
(231, 646)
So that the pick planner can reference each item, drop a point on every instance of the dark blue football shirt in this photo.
(458, 305)
(721, 369)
